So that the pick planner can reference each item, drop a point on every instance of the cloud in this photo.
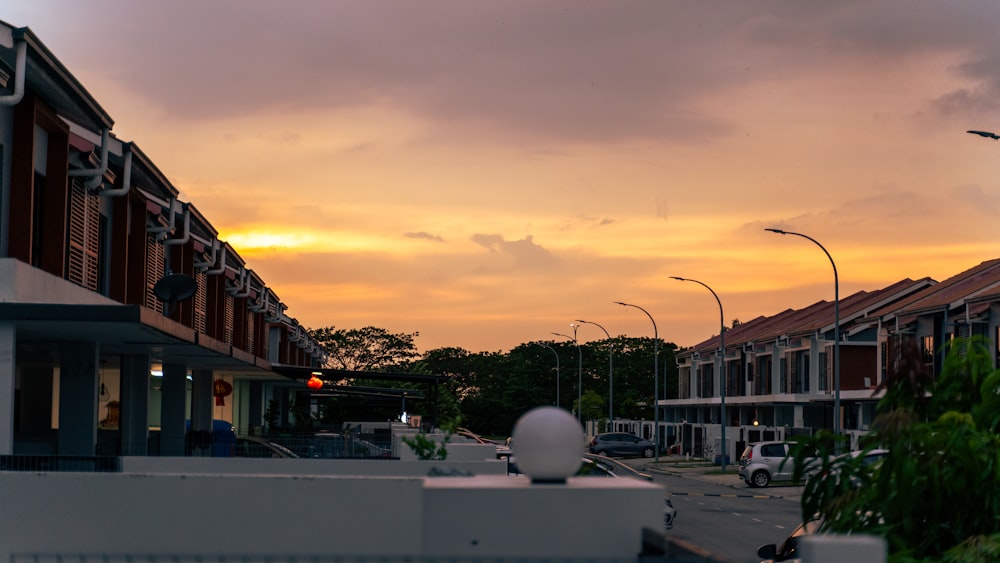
(522, 253)
(424, 236)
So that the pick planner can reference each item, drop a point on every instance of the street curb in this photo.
(699, 474)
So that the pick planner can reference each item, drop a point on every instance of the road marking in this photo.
(725, 495)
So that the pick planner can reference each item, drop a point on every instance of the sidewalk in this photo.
(701, 470)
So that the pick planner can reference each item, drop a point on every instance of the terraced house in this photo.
(780, 378)
(123, 317)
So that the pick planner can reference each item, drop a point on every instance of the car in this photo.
(503, 450)
(788, 550)
(869, 461)
(612, 467)
(598, 465)
(594, 465)
(621, 444)
(764, 462)
(250, 446)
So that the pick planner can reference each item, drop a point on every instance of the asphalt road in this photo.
(726, 518)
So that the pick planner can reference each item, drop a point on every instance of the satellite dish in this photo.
(173, 288)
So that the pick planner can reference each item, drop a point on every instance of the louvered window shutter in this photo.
(200, 302)
(84, 235)
(154, 271)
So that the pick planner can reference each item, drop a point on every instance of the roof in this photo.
(52, 82)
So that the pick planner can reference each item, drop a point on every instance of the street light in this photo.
(579, 372)
(836, 322)
(656, 378)
(556, 354)
(611, 369)
(722, 367)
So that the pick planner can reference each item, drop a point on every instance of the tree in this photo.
(365, 349)
(936, 495)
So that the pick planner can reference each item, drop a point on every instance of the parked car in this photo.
(250, 446)
(599, 464)
(621, 444)
(594, 465)
(869, 460)
(503, 449)
(764, 462)
(789, 549)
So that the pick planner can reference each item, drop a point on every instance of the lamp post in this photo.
(722, 367)
(556, 354)
(836, 328)
(656, 378)
(611, 370)
(579, 372)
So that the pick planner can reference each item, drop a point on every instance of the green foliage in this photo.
(271, 415)
(365, 349)
(491, 390)
(427, 449)
(936, 496)
(593, 407)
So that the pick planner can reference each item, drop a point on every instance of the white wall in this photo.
(84, 516)
(326, 467)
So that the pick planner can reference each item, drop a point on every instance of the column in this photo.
(7, 353)
(255, 408)
(201, 399)
(173, 409)
(134, 421)
(78, 394)
(200, 437)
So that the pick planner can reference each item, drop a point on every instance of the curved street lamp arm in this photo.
(656, 378)
(722, 318)
(655, 334)
(597, 325)
(816, 242)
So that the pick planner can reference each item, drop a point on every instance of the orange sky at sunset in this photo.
(485, 173)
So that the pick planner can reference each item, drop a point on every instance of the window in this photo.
(772, 450)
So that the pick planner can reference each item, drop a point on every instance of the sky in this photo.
(487, 173)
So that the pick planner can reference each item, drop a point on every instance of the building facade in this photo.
(125, 322)
(780, 378)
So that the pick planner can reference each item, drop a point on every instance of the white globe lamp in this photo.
(548, 444)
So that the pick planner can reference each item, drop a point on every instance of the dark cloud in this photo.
(424, 236)
(522, 253)
(587, 71)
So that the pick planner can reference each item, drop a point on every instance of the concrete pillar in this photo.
(173, 409)
(7, 370)
(134, 422)
(34, 419)
(255, 408)
(202, 399)
(78, 394)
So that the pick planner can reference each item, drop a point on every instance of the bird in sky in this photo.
(987, 134)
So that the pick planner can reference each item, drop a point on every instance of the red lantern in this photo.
(221, 389)
(314, 383)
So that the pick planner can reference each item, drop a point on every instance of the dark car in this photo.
(599, 466)
(789, 549)
(249, 446)
(621, 444)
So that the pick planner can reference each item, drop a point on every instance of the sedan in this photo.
(621, 444)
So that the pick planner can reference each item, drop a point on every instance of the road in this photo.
(731, 522)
